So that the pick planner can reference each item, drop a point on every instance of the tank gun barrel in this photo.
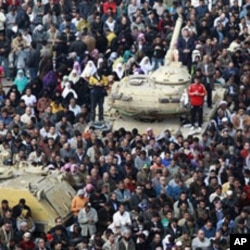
(177, 29)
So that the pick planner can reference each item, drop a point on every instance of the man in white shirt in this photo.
(75, 108)
(122, 217)
(27, 37)
(216, 194)
(29, 99)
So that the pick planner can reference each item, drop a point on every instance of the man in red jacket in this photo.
(109, 4)
(196, 93)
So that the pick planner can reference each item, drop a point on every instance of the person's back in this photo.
(22, 18)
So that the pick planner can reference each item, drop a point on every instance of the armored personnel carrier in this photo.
(47, 193)
(155, 95)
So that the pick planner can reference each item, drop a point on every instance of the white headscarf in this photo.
(89, 70)
(99, 62)
(74, 76)
(64, 81)
(119, 70)
(68, 90)
(145, 65)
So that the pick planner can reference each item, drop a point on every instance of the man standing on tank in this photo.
(186, 45)
(196, 93)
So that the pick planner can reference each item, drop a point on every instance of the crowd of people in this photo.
(135, 189)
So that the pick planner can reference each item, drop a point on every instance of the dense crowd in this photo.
(135, 190)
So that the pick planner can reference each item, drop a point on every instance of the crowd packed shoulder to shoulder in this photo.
(134, 190)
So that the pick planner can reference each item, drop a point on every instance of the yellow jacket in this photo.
(94, 81)
(54, 108)
(82, 24)
(110, 37)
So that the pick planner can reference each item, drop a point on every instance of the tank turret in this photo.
(158, 94)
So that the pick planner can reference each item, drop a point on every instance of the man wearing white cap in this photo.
(87, 219)
(27, 242)
(230, 202)
(223, 107)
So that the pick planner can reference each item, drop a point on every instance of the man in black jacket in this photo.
(17, 209)
(78, 46)
(22, 18)
(33, 60)
(173, 229)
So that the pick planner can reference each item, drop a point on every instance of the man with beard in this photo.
(6, 233)
(126, 241)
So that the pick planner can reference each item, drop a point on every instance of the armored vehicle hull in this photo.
(48, 196)
(149, 96)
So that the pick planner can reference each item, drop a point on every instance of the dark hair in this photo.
(22, 201)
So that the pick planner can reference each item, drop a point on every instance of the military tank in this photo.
(155, 95)
(47, 192)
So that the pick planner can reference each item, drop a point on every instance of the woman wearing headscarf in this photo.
(102, 67)
(64, 81)
(74, 76)
(82, 86)
(99, 62)
(113, 56)
(89, 70)
(21, 81)
(146, 65)
(129, 54)
(68, 92)
(118, 72)
(77, 67)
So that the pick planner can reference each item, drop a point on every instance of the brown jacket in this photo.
(5, 237)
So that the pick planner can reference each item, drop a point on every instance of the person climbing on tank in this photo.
(17, 209)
